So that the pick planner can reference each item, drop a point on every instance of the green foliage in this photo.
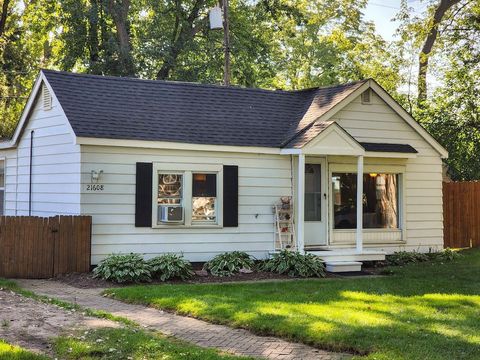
(229, 263)
(406, 257)
(170, 266)
(123, 268)
(295, 264)
(446, 255)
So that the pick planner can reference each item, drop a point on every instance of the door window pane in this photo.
(204, 197)
(379, 204)
(313, 193)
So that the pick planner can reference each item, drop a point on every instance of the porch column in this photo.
(359, 234)
(300, 203)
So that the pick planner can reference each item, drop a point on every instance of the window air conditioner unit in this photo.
(171, 214)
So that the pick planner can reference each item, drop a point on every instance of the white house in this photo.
(181, 167)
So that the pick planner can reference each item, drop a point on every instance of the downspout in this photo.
(30, 175)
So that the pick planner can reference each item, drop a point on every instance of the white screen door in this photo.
(315, 200)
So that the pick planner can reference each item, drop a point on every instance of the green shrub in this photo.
(295, 264)
(229, 263)
(446, 254)
(123, 268)
(406, 257)
(170, 266)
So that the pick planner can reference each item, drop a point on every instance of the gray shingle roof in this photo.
(127, 108)
(384, 147)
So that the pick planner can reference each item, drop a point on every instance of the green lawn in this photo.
(10, 352)
(113, 344)
(422, 311)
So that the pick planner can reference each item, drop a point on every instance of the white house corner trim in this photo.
(359, 232)
(300, 203)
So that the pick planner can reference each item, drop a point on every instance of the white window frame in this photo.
(400, 170)
(4, 159)
(187, 171)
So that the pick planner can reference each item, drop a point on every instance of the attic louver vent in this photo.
(366, 97)
(46, 98)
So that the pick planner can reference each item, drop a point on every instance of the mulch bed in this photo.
(87, 281)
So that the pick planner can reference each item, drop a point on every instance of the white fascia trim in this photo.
(385, 96)
(175, 145)
(395, 155)
(41, 79)
(26, 111)
(291, 151)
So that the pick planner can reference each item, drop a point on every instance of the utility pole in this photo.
(226, 44)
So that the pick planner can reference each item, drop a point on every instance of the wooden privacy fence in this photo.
(41, 247)
(461, 214)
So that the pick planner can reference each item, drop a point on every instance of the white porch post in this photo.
(300, 203)
(359, 235)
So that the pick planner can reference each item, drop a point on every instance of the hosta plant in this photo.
(170, 266)
(406, 257)
(446, 254)
(123, 268)
(229, 263)
(295, 264)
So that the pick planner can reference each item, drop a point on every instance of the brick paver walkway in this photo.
(236, 341)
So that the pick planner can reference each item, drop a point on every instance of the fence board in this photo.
(36, 247)
(461, 214)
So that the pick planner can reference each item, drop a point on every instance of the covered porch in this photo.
(332, 174)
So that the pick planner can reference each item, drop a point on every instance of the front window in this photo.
(204, 197)
(189, 196)
(380, 200)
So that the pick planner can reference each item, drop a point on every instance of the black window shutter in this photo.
(143, 195)
(230, 196)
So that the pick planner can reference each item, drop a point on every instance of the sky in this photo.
(381, 12)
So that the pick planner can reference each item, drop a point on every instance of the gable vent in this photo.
(46, 98)
(366, 97)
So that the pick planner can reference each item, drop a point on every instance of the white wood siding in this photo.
(55, 166)
(263, 179)
(377, 122)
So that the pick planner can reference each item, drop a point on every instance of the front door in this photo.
(315, 199)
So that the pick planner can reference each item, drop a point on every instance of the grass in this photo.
(11, 352)
(422, 311)
(128, 343)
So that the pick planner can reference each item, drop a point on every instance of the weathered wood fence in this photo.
(41, 247)
(461, 214)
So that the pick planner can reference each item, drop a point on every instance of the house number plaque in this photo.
(95, 187)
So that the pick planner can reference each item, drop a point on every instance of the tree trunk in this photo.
(3, 16)
(186, 31)
(119, 12)
(424, 55)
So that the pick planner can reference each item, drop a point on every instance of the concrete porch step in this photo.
(334, 255)
(343, 266)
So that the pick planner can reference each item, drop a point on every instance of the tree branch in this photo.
(424, 55)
